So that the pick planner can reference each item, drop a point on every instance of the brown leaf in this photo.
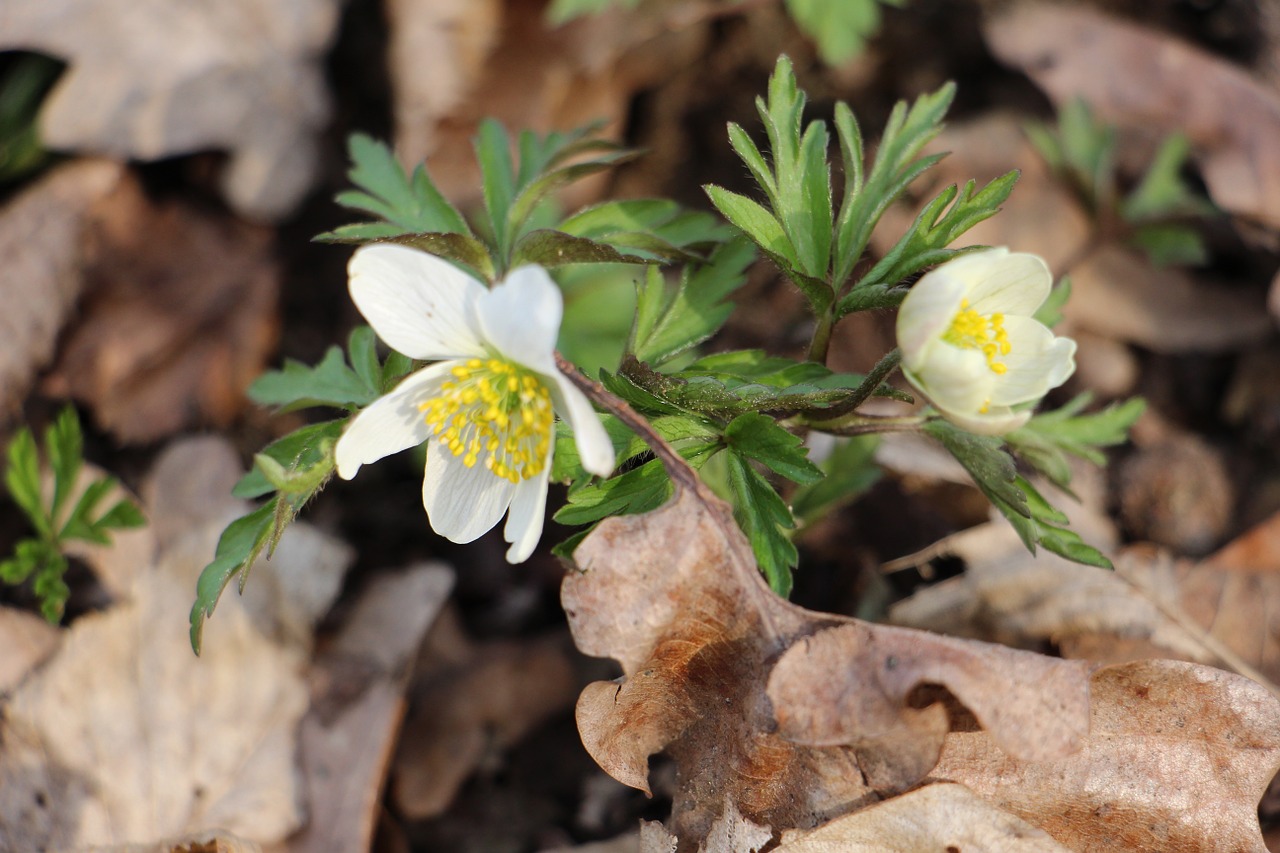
(698, 634)
(124, 736)
(1136, 77)
(348, 737)
(153, 79)
(179, 318)
(40, 240)
(1116, 293)
(941, 817)
(1177, 757)
(454, 63)
(486, 702)
(27, 641)
(1223, 610)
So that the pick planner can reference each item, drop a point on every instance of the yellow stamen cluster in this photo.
(497, 410)
(971, 330)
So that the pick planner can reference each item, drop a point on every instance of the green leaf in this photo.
(301, 450)
(840, 27)
(330, 383)
(50, 588)
(850, 470)
(551, 248)
(763, 517)
(1170, 245)
(460, 248)
(639, 490)
(22, 479)
(238, 546)
(1048, 437)
(64, 443)
(1163, 193)
(26, 81)
(498, 180)
(991, 468)
(362, 352)
(124, 514)
(80, 523)
(1048, 530)
(895, 166)
(655, 228)
(1082, 150)
(669, 323)
(408, 204)
(760, 438)
(926, 241)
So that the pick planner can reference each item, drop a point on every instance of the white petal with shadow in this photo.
(462, 503)
(520, 317)
(1016, 283)
(524, 521)
(418, 304)
(925, 315)
(1037, 362)
(594, 447)
(391, 423)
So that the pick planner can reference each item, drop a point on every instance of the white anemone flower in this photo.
(485, 406)
(970, 344)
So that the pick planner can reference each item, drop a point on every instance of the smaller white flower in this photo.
(485, 407)
(970, 345)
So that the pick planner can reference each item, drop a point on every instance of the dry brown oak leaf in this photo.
(152, 78)
(123, 736)
(1137, 77)
(178, 317)
(795, 717)
(41, 241)
(1178, 756)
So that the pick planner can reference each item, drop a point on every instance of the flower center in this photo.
(971, 330)
(494, 409)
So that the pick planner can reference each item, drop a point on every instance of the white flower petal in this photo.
(462, 503)
(594, 447)
(926, 313)
(418, 304)
(520, 317)
(524, 521)
(955, 379)
(391, 423)
(1037, 362)
(997, 420)
(1003, 282)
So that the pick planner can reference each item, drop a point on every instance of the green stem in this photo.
(867, 424)
(822, 336)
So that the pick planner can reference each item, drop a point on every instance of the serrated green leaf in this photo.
(22, 479)
(639, 490)
(238, 546)
(763, 516)
(330, 383)
(694, 311)
(1048, 436)
(64, 443)
(894, 167)
(51, 589)
(950, 214)
(408, 203)
(498, 180)
(300, 450)
(757, 223)
(461, 248)
(850, 470)
(124, 514)
(991, 468)
(80, 524)
(551, 248)
(760, 438)
(540, 186)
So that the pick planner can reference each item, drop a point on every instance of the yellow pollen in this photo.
(497, 411)
(971, 330)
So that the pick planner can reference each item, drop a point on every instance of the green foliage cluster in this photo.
(56, 518)
(24, 82)
(1159, 214)
(737, 417)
